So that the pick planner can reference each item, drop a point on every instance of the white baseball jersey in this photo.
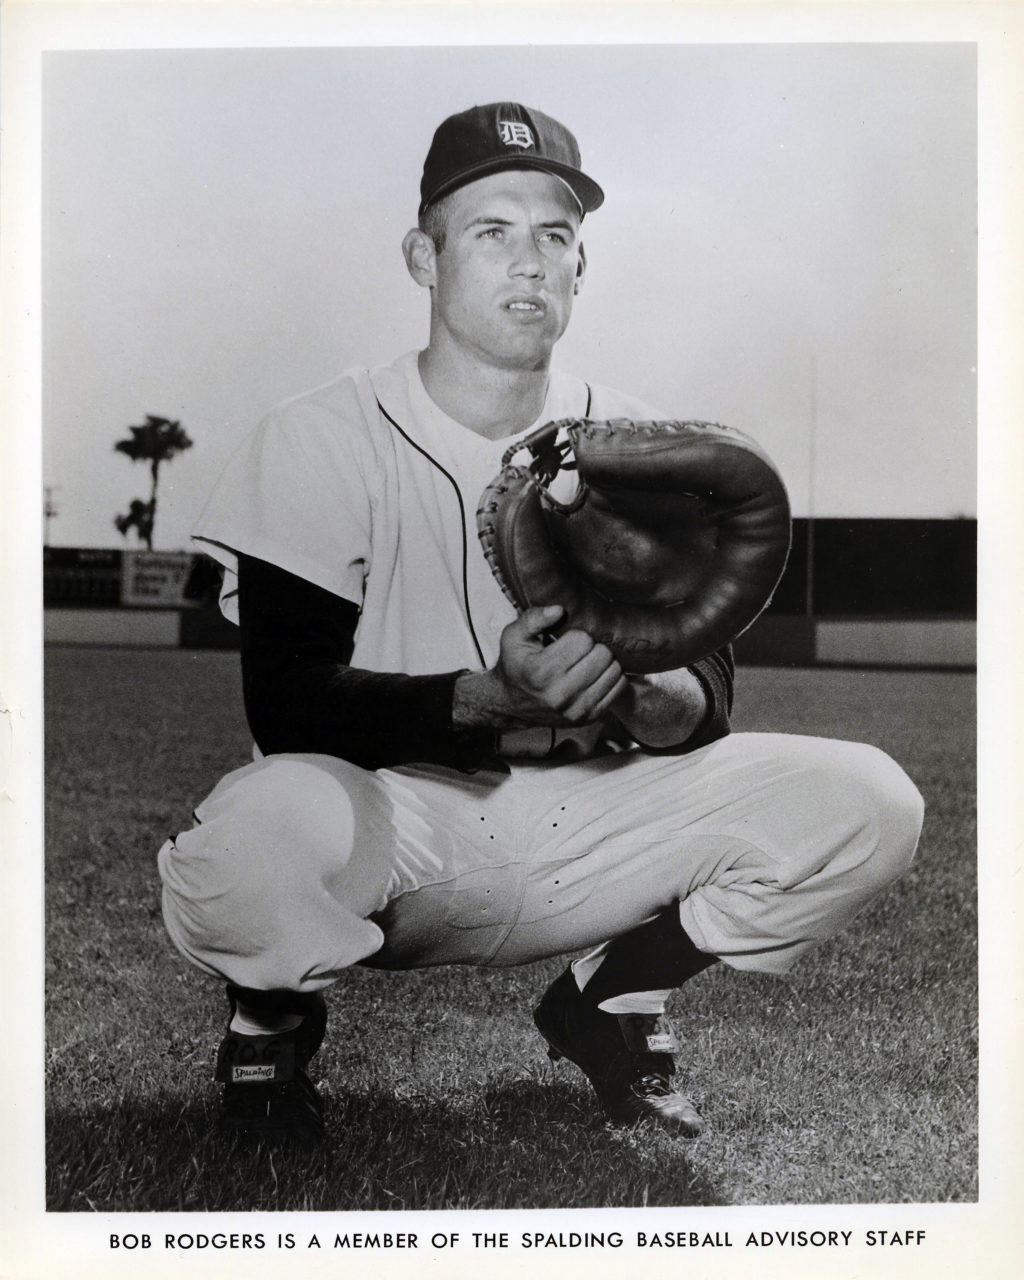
(366, 488)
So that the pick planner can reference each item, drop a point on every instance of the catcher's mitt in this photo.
(672, 545)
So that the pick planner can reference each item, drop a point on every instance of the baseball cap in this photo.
(503, 135)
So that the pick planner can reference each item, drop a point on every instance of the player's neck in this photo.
(490, 401)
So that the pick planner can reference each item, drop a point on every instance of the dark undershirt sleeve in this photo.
(715, 673)
(302, 696)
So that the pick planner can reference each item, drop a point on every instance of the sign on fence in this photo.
(155, 578)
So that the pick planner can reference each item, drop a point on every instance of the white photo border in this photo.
(964, 1239)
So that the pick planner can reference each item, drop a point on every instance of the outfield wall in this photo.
(890, 593)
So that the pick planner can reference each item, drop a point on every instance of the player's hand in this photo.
(569, 682)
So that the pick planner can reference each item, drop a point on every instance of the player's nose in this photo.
(527, 260)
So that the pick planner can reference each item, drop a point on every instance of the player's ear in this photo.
(581, 269)
(420, 257)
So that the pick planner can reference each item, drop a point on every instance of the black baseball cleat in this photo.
(267, 1094)
(626, 1057)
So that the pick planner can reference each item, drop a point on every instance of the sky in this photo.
(787, 246)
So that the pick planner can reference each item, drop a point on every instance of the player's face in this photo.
(512, 261)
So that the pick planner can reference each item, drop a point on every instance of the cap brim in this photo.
(585, 189)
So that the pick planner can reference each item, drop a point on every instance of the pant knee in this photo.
(284, 819)
(892, 808)
(266, 868)
(853, 817)
(841, 826)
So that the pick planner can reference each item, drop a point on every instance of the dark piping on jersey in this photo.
(462, 512)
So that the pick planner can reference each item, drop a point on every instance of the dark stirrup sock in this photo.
(658, 955)
(273, 1003)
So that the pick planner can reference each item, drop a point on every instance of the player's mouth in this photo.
(530, 306)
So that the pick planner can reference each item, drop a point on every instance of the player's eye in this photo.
(555, 237)
(492, 233)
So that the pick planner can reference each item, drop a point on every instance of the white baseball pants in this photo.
(301, 865)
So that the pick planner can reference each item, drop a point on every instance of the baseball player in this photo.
(435, 782)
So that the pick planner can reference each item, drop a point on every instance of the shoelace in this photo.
(652, 1087)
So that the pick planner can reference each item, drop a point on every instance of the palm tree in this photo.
(139, 516)
(157, 440)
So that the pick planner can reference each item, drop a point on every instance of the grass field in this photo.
(852, 1080)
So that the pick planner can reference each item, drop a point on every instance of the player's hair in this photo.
(433, 222)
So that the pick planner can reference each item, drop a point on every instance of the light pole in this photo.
(812, 469)
(49, 510)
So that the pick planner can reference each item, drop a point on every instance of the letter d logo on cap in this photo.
(515, 134)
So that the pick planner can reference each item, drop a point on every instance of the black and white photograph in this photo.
(507, 527)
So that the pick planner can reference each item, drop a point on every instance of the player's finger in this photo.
(564, 652)
(582, 673)
(586, 679)
(533, 622)
(598, 656)
(592, 701)
(605, 702)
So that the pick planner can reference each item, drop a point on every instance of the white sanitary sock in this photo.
(630, 1001)
(250, 1022)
